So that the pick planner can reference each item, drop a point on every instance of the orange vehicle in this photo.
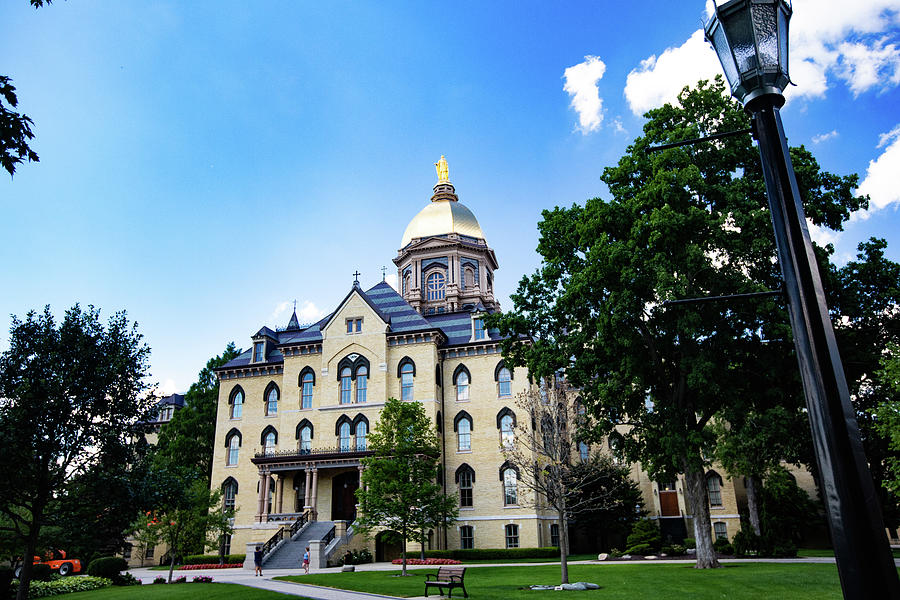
(58, 561)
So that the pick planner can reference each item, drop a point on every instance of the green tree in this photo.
(614, 497)
(143, 531)
(398, 490)
(71, 393)
(885, 417)
(682, 223)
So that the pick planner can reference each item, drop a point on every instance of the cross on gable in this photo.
(356, 276)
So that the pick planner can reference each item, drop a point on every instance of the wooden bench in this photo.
(449, 578)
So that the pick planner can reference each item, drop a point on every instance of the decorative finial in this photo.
(356, 277)
(443, 171)
(383, 273)
(295, 305)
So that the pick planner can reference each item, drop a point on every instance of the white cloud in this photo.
(166, 388)
(309, 312)
(821, 235)
(392, 281)
(659, 79)
(880, 182)
(280, 310)
(828, 38)
(581, 84)
(824, 137)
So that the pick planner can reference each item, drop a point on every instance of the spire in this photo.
(294, 323)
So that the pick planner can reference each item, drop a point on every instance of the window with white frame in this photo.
(362, 431)
(306, 391)
(512, 536)
(510, 485)
(464, 434)
(466, 537)
(344, 434)
(721, 530)
(462, 386)
(346, 382)
(259, 351)
(714, 489)
(406, 381)
(362, 377)
(507, 431)
(583, 451)
(504, 383)
(237, 403)
(229, 493)
(305, 439)
(434, 284)
(269, 445)
(234, 448)
(272, 401)
(479, 328)
(466, 479)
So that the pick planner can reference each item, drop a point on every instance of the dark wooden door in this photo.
(668, 504)
(343, 496)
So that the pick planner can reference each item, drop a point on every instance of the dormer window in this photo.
(259, 354)
(478, 325)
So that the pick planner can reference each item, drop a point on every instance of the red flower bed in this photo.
(427, 561)
(210, 566)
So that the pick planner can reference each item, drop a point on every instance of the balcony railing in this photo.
(298, 454)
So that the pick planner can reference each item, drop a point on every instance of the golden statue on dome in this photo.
(443, 171)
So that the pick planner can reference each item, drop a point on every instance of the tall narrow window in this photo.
(464, 434)
(465, 488)
(435, 286)
(507, 431)
(358, 325)
(512, 536)
(229, 491)
(504, 385)
(479, 328)
(258, 352)
(349, 325)
(306, 394)
(272, 401)
(714, 489)
(721, 530)
(237, 404)
(466, 537)
(469, 275)
(362, 376)
(583, 451)
(554, 535)
(306, 440)
(234, 448)
(270, 443)
(345, 437)
(510, 483)
(406, 381)
(345, 385)
(362, 431)
(226, 544)
(462, 386)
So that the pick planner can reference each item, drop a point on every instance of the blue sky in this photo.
(205, 164)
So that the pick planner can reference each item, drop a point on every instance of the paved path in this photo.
(246, 577)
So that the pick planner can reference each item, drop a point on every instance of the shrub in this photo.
(67, 585)
(363, 556)
(123, 579)
(427, 561)
(41, 572)
(615, 553)
(202, 579)
(494, 553)
(640, 550)
(674, 550)
(726, 549)
(213, 559)
(182, 579)
(747, 543)
(107, 566)
(720, 543)
(690, 543)
(646, 532)
(159, 580)
(213, 566)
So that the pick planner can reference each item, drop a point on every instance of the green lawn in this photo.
(828, 552)
(618, 582)
(179, 591)
(494, 561)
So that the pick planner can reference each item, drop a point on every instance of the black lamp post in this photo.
(751, 39)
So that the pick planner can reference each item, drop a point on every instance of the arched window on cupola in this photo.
(434, 285)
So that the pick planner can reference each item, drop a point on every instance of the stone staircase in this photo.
(289, 554)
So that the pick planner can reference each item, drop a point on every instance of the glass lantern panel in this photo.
(783, 39)
(740, 34)
(766, 34)
(722, 49)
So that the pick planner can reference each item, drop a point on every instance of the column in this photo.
(262, 499)
(265, 500)
(315, 495)
(279, 491)
(307, 491)
(361, 469)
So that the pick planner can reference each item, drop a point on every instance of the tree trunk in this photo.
(171, 563)
(403, 554)
(753, 502)
(422, 543)
(695, 488)
(27, 564)
(563, 545)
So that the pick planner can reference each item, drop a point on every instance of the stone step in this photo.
(290, 554)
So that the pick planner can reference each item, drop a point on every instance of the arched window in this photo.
(406, 282)
(307, 383)
(435, 286)
(229, 491)
(503, 377)
(461, 381)
(714, 488)
(233, 443)
(469, 276)
(269, 439)
(362, 431)
(362, 376)
(305, 439)
(465, 477)
(345, 385)
(583, 451)
(462, 424)
(344, 435)
(237, 402)
(506, 423)
(407, 371)
(510, 477)
(271, 400)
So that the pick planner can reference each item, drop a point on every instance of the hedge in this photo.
(494, 553)
(210, 566)
(107, 566)
(44, 589)
(210, 559)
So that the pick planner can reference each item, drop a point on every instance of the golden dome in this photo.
(440, 218)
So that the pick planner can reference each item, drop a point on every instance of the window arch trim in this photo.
(230, 481)
(301, 425)
(341, 420)
(354, 365)
(234, 392)
(463, 468)
(500, 366)
(306, 370)
(504, 412)
(403, 362)
(269, 429)
(712, 473)
(360, 418)
(459, 417)
(461, 368)
(508, 465)
(232, 433)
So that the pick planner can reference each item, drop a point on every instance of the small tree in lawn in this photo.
(545, 457)
(145, 532)
(398, 491)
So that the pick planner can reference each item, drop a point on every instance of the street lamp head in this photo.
(751, 39)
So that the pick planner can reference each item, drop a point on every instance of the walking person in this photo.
(306, 561)
(257, 560)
